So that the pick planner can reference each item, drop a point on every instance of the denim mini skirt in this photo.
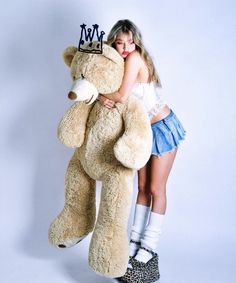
(167, 134)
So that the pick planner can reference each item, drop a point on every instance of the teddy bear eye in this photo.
(82, 76)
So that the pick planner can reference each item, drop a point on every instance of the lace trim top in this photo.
(149, 96)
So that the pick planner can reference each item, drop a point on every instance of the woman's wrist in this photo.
(98, 97)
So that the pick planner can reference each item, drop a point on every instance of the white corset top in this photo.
(148, 94)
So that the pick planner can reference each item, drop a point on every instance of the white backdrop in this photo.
(193, 46)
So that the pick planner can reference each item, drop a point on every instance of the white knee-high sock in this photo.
(140, 221)
(150, 237)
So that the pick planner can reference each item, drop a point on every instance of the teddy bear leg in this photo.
(78, 215)
(109, 246)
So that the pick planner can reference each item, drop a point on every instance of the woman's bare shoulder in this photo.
(134, 57)
(135, 54)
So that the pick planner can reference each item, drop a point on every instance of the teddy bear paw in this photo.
(71, 243)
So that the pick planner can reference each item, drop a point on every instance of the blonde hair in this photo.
(126, 26)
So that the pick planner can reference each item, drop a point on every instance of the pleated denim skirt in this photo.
(167, 134)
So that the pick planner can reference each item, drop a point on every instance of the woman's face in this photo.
(124, 43)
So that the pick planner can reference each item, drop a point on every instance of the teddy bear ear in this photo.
(68, 54)
(110, 53)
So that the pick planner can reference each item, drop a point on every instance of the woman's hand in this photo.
(104, 101)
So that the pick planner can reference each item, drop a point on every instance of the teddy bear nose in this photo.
(61, 246)
(72, 95)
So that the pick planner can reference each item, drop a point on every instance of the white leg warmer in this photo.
(150, 237)
(140, 221)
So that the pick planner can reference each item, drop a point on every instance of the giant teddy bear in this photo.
(109, 145)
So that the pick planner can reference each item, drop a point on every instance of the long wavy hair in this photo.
(126, 26)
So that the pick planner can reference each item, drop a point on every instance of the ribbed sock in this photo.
(150, 237)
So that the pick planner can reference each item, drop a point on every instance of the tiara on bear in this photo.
(90, 40)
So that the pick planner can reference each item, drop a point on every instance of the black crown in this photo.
(86, 42)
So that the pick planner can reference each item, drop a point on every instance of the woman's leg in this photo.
(152, 181)
(160, 168)
(144, 197)
(141, 213)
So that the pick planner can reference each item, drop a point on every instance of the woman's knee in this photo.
(143, 189)
(158, 191)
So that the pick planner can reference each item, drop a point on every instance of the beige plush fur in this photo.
(109, 146)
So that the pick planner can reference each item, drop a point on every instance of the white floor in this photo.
(194, 248)
(37, 263)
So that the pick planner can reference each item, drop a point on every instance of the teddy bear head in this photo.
(93, 73)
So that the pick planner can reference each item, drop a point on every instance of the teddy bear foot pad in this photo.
(70, 245)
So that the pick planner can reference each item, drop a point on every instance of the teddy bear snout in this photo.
(72, 95)
(83, 90)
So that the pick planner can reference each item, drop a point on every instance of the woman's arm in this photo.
(132, 68)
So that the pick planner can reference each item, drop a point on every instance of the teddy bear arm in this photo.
(133, 148)
(71, 129)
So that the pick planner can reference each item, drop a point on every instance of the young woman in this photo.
(140, 79)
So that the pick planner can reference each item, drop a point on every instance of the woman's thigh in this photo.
(160, 167)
